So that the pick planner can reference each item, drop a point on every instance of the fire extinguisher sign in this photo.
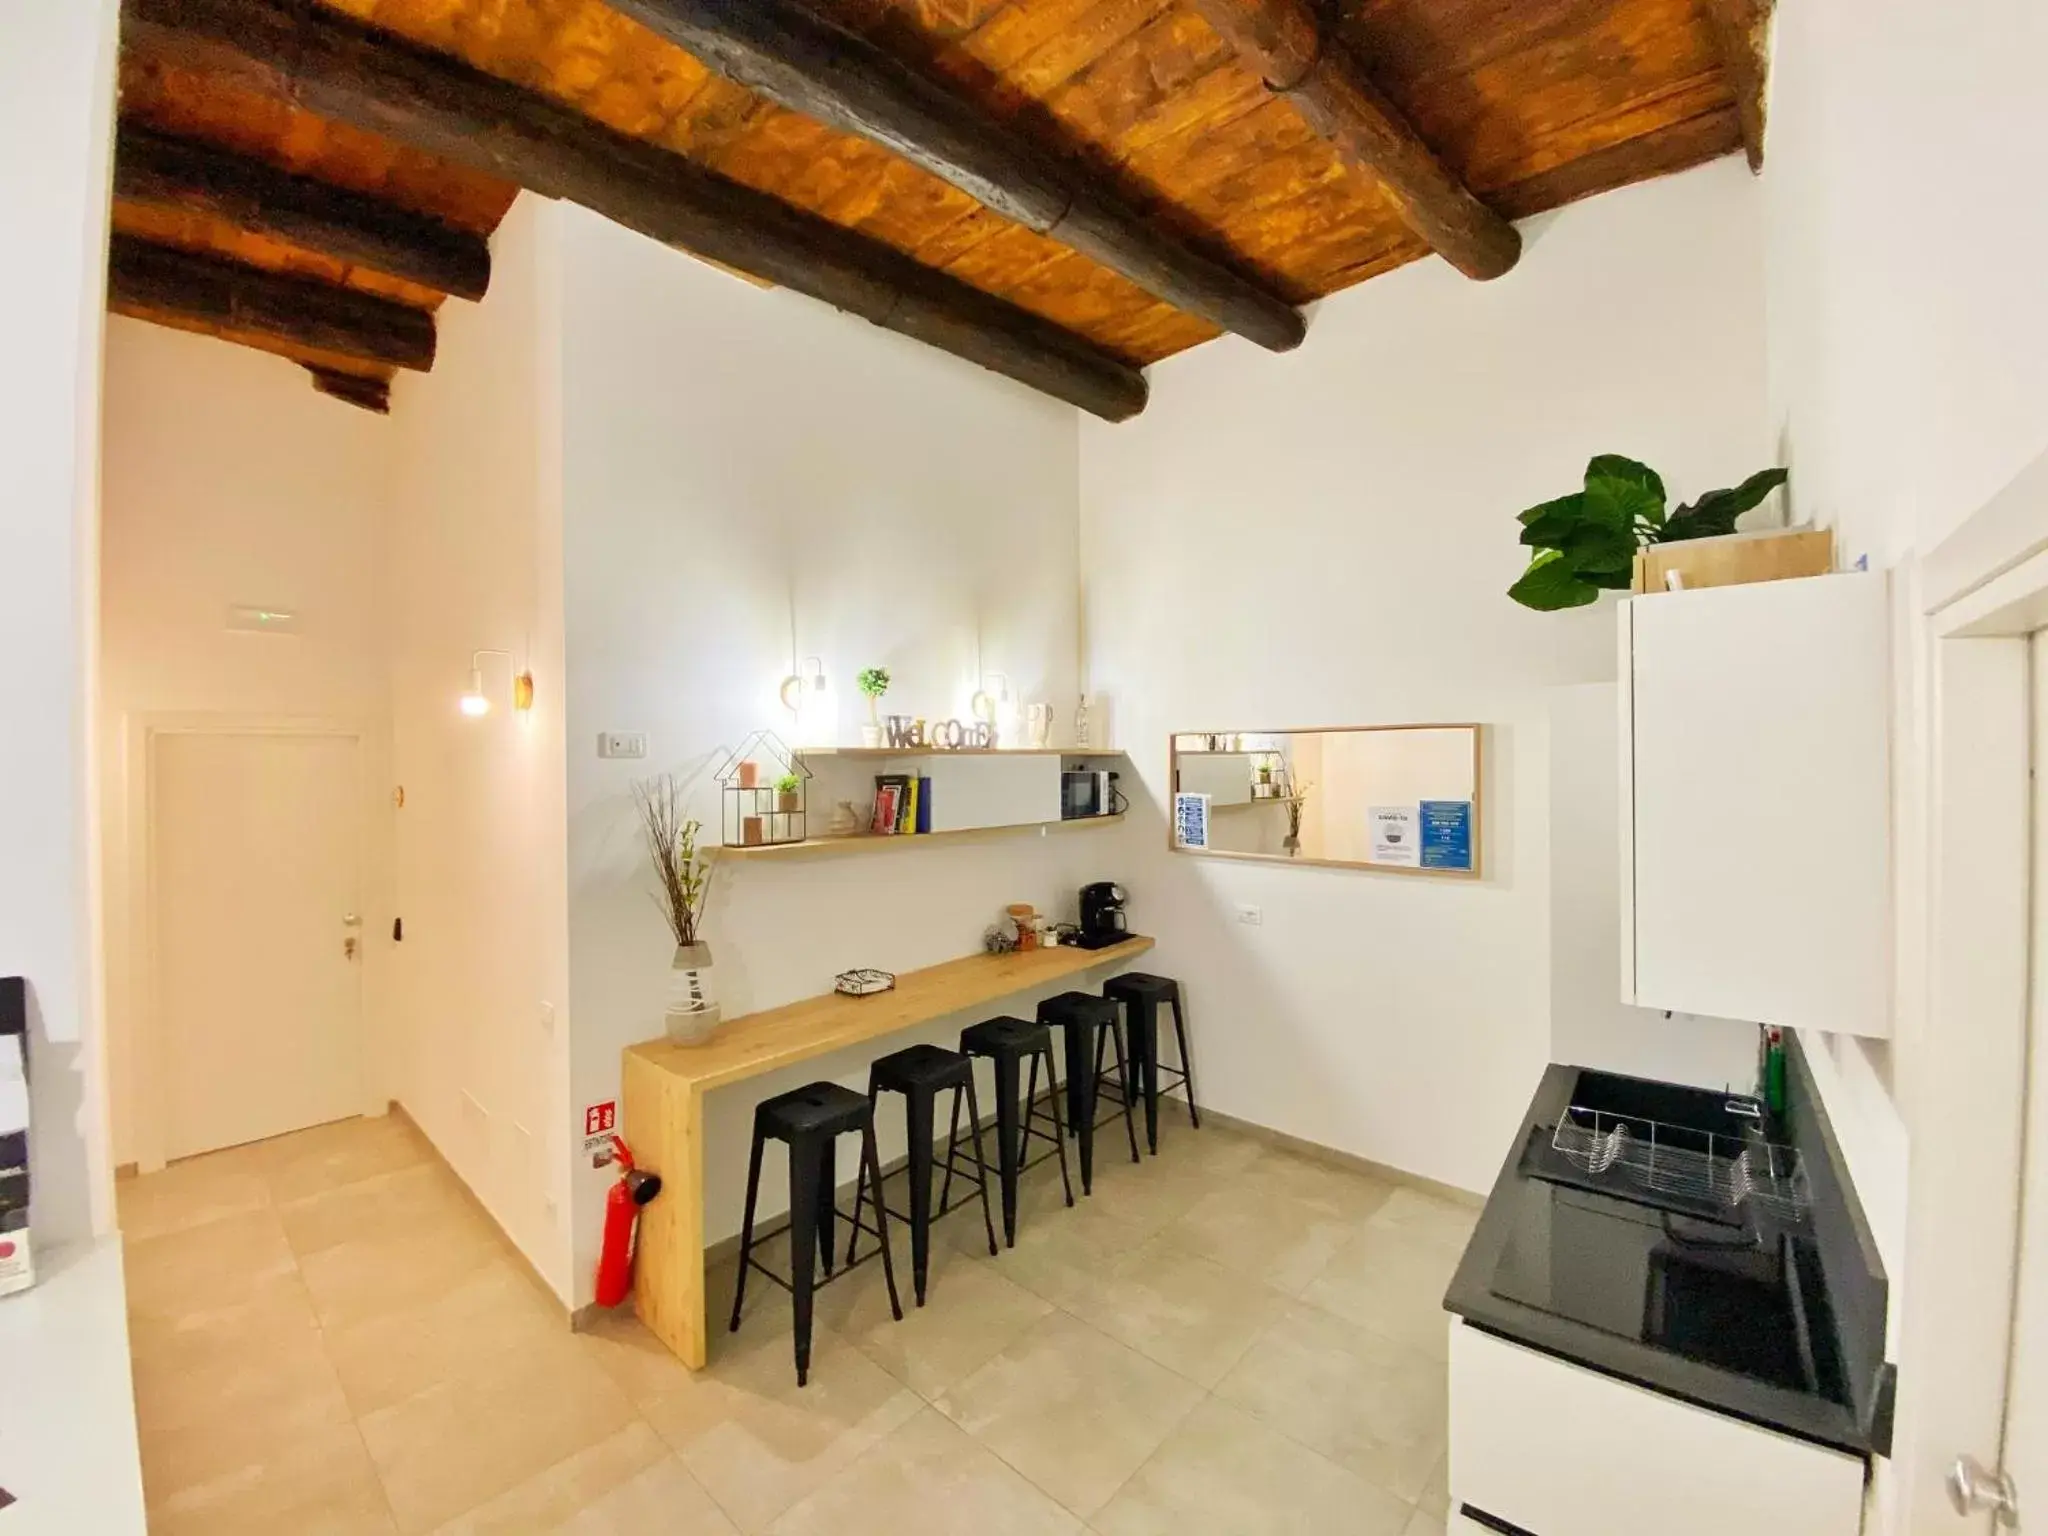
(601, 1119)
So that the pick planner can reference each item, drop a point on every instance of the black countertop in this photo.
(1583, 1276)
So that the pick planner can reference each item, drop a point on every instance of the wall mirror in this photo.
(1393, 797)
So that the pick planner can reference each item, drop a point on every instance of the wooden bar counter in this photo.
(665, 1083)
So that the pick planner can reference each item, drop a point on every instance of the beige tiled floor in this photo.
(330, 1338)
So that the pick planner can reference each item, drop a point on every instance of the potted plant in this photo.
(1587, 542)
(683, 878)
(786, 789)
(873, 682)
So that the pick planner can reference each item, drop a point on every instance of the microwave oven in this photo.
(1087, 792)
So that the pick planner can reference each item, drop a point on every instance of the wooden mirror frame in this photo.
(1476, 872)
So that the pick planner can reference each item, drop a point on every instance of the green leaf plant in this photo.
(1586, 542)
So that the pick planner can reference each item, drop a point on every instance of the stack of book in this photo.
(903, 804)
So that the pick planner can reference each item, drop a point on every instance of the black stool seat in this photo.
(921, 1066)
(1004, 1035)
(1141, 984)
(1091, 1023)
(1141, 995)
(1085, 1006)
(817, 1109)
(811, 1119)
(1008, 1043)
(921, 1073)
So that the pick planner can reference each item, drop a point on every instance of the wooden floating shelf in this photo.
(875, 842)
(957, 752)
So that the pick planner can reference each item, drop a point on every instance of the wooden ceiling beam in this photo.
(1287, 45)
(154, 282)
(153, 170)
(789, 53)
(1742, 32)
(356, 388)
(306, 56)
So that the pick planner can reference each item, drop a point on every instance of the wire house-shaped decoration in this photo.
(764, 788)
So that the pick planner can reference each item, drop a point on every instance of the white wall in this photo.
(475, 562)
(750, 476)
(56, 116)
(1326, 537)
(1908, 366)
(229, 481)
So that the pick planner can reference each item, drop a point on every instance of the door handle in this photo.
(1975, 1491)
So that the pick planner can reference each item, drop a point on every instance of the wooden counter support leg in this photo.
(665, 1128)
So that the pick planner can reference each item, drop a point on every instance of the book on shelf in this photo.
(885, 808)
(903, 804)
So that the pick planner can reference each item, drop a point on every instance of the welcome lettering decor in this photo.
(907, 733)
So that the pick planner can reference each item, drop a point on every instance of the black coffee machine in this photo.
(1102, 916)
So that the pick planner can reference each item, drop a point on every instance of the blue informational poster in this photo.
(1191, 820)
(1447, 834)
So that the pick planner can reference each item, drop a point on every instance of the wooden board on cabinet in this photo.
(1777, 554)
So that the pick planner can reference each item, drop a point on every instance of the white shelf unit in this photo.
(972, 793)
(1756, 803)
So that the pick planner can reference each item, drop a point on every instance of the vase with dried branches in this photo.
(1296, 802)
(683, 879)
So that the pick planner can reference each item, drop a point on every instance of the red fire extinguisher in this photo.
(621, 1212)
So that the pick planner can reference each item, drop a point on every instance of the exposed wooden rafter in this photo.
(371, 394)
(154, 170)
(289, 315)
(306, 56)
(1742, 31)
(783, 50)
(1286, 43)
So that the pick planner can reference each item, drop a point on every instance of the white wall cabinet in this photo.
(1755, 808)
(1558, 1450)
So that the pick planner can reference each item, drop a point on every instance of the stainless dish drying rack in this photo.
(1698, 1167)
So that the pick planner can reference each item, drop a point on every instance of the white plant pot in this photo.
(692, 1013)
(871, 736)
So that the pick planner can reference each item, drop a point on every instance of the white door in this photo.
(2025, 1451)
(255, 885)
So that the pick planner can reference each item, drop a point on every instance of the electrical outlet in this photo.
(1252, 917)
(622, 744)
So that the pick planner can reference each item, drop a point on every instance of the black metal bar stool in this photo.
(1141, 996)
(810, 1120)
(1007, 1043)
(920, 1074)
(1090, 1023)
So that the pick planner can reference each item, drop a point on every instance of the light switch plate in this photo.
(622, 744)
(1254, 917)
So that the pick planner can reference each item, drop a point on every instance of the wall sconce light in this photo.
(803, 685)
(994, 705)
(475, 703)
(803, 694)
